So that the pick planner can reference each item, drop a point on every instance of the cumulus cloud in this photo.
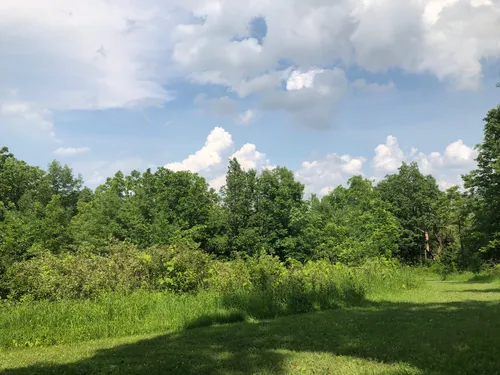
(323, 175)
(249, 157)
(95, 172)
(310, 97)
(209, 155)
(362, 85)
(73, 55)
(246, 117)
(211, 161)
(388, 156)
(101, 54)
(447, 168)
(299, 80)
(446, 38)
(23, 114)
(217, 182)
(71, 151)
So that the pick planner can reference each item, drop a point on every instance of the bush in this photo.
(131, 291)
(178, 270)
(123, 270)
(487, 273)
(265, 287)
(261, 286)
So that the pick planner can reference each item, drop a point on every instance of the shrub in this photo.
(123, 270)
(265, 287)
(487, 273)
(263, 284)
(178, 270)
(131, 291)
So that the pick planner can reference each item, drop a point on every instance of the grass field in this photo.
(450, 327)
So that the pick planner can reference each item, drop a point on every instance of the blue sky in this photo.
(327, 89)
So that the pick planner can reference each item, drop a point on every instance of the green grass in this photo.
(44, 323)
(317, 286)
(446, 327)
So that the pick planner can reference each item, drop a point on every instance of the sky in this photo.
(328, 89)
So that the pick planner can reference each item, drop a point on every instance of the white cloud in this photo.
(388, 156)
(321, 176)
(71, 151)
(23, 114)
(101, 54)
(362, 85)
(447, 168)
(209, 155)
(247, 117)
(250, 158)
(223, 106)
(96, 172)
(446, 38)
(299, 80)
(311, 97)
(456, 160)
(459, 154)
(218, 182)
(96, 54)
(212, 160)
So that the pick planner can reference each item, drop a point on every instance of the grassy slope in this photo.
(448, 327)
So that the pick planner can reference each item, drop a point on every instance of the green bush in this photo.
(123, 270)
(284, 286)
(265, 287)
(62, 299)
(487, 273)
(179, 270)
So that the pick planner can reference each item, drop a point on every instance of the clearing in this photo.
(450, 327)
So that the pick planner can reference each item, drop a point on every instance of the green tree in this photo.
(182, 206)
(357, 223)
(452, 228)
(278, 198)
(51, 225)
(484, 185)
(62, 182)
(239, 201)
(412, 198)
(17, 178)
(16, 236)
(97, 220)
(158, 208)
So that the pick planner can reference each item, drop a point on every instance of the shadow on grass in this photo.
(482, 279)
(448, 338)
(496, 290)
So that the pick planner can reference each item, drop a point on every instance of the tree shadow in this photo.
(496, 290)
(482, 279)
(439, 338)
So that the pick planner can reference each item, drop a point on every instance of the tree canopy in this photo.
(255, 212)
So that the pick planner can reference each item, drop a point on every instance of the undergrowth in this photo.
(255, 288)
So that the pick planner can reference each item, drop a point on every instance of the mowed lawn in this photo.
(450, 327)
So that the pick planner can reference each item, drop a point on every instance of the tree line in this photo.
(52, 212)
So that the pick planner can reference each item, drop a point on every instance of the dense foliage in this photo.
(57, 235)
(51, 310)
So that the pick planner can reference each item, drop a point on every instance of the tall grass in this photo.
(486, 274)
(35, 323)
(256, 288)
